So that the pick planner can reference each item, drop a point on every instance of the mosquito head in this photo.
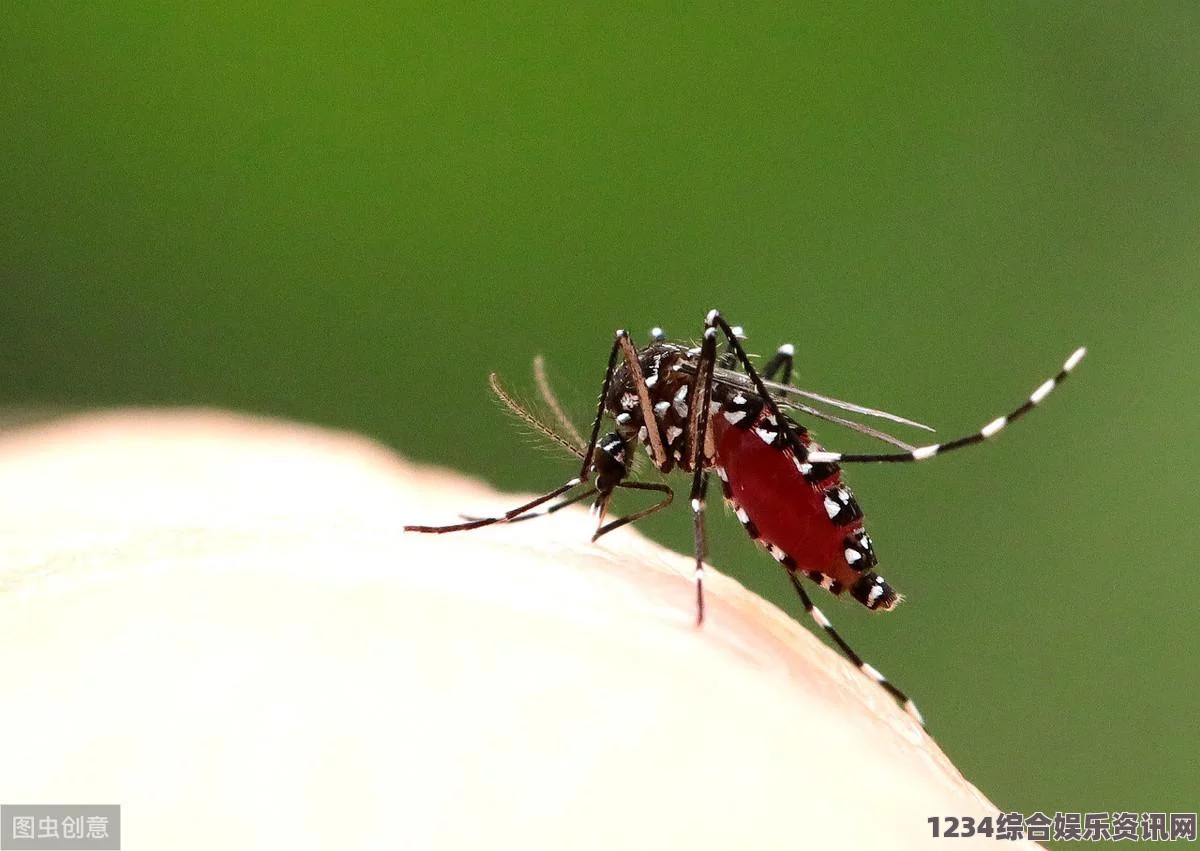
(610, 462)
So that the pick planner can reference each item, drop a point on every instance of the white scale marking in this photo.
(723, 475)
(923, 452)
(787, 349)
(994, 426)
(876, 591)
(1042, 392)
(820, 456)
(672, 433)
(767, 436)
(681, 407)
(624, 418)
(742, 515)
(652, 380)
(660, 408)
(1074, 359)
(735, 417)
(696, 506)
(832, 508)
(852, 555)
(820, 618)
(872, 672)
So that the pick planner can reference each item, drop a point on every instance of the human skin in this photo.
(217, 622)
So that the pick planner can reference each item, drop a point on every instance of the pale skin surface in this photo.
(216, 622)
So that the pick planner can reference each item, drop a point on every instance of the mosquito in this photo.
(704, 411)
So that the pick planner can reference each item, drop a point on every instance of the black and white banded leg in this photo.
(700, 411)
(923, 453)
(605, 528)
(728, 359)
(868, 669)
(665, 490)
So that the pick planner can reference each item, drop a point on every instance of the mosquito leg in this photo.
(848, 651)
(784, 358)
(668, 495)
(658, 452)
(716, 320)
(922, 453)
(701, 544)
(506, 517)
(558, 506)
(698, 416)
(728, 359)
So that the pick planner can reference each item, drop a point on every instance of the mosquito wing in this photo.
(782, 392)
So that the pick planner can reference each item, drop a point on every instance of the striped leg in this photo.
(785, 359)
(922, 453)
(635, 516)
(506, 517)
(542, 512)
(728, 359)
(823, 622)
(698, 414)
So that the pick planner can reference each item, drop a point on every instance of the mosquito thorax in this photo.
(667, 369)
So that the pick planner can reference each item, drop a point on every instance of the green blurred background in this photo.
(352, 216)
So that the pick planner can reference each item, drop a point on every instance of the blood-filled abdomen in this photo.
(803, 513)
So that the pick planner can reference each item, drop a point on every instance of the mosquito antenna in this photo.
(530, 418)
(564, 422)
